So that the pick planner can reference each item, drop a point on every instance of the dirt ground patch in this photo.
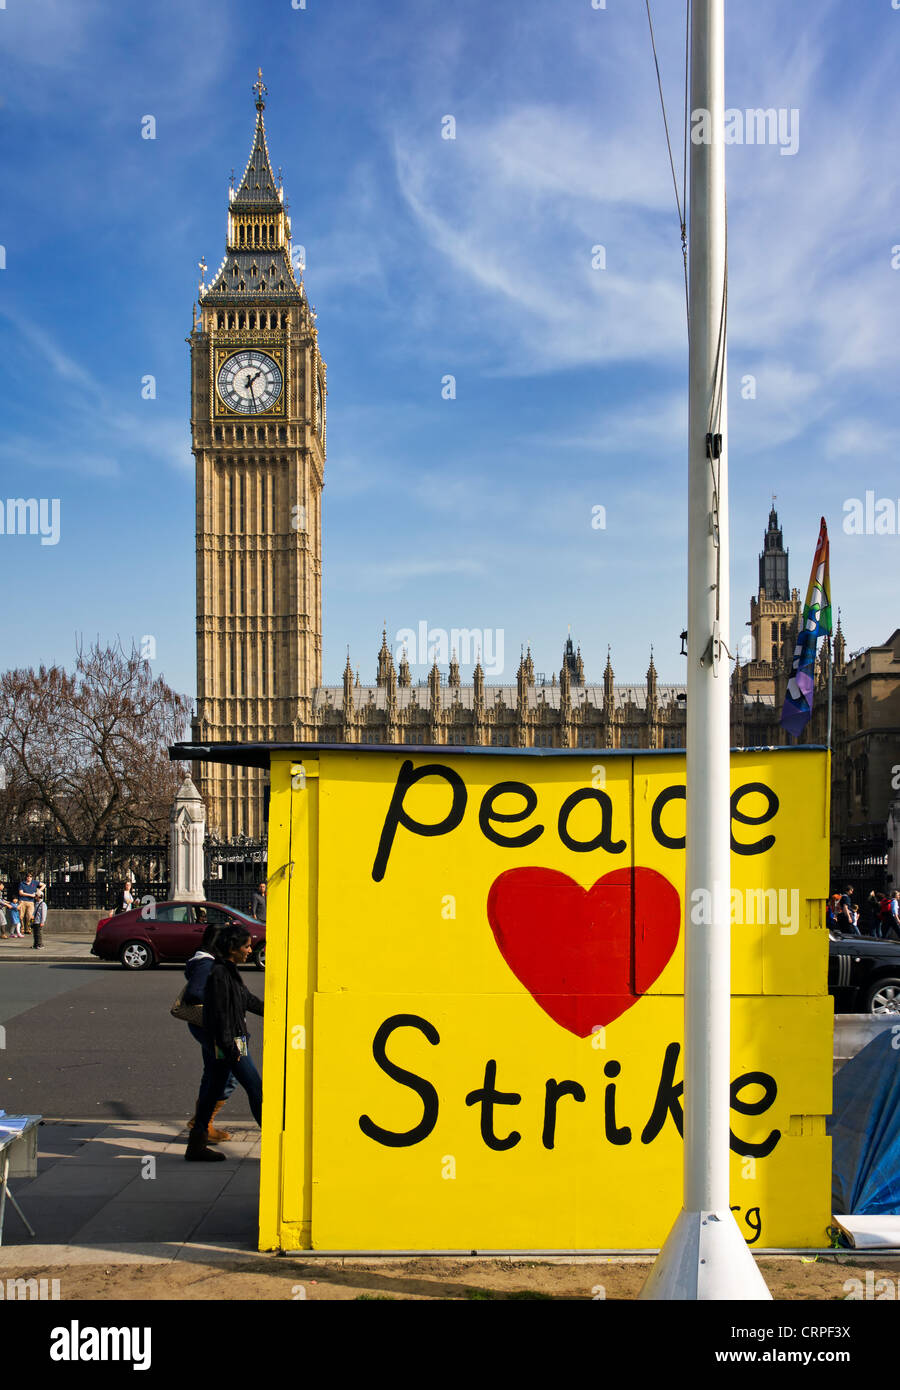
(275, 1278)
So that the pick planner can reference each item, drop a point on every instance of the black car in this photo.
(863, 974)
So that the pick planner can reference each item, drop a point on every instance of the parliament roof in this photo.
(495, 696)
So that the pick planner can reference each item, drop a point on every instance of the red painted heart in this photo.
(585, 954)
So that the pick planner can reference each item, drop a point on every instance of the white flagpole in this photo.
(705, 1256)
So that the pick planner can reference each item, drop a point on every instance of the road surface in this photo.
(91, 1040)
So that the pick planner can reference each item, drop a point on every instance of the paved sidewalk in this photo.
(97, 1198)
(72, 946)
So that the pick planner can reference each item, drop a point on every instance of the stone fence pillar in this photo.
(187, 830)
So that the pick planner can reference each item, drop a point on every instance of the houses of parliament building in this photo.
(258, 419)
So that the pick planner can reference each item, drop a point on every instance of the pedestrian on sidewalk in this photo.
(15, 921)
(197, 972)
(870, 923)
(27, 896)
(4, 907)
(258, 903)
(40, 918)
(892, 915)
(846, 914)
(226, 1002)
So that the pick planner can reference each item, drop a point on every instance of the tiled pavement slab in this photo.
(96, 1197)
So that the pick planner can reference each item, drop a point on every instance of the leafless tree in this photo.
(88, 750)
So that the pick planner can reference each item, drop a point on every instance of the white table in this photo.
(18, 1158)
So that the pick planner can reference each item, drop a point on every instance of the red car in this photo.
(162, 932)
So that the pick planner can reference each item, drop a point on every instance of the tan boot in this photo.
(213, 1136)
(217, 1136)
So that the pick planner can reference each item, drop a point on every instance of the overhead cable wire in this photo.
(680, 199)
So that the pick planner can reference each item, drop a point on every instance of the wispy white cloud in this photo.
(107, 441)
(519, 212)
(861, 440)
(772, 404)
(513, 207)
(404, 571)
(654, 423)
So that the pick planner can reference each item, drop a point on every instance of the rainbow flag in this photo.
(815, 623)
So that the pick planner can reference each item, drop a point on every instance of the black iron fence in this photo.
(93, 876)
(85, 876)
(864, 861)
(234, 870)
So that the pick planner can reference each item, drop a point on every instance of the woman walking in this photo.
(197, 972)
(226, 1003)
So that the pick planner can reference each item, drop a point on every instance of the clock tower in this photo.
(258, 437)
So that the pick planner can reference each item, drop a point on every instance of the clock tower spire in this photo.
(258, 437)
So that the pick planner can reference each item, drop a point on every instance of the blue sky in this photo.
(428, 257)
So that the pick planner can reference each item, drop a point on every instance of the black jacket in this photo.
(225, 1003)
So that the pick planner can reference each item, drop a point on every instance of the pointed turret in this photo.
(524, 683)
(454, 670)
(404, 679)
(257, 188)
(773, 561)
(478, 686)
(565, 697)
(522, 688)
(823, 663)
(651, 678)
(840, 653)
(570, 664)
(608, 680)
(348, 690)
(258, 244)
(434, 702)
(385, 661)
(652, 705)
(434, 683)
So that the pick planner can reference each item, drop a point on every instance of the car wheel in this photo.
(259, 957)
(883, 997)
(136, 955)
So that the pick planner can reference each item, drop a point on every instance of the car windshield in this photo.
(244, 916)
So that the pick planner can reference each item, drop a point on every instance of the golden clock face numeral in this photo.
(249, 382)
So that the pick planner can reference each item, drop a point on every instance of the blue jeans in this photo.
(244, 1069)
(206, 1081)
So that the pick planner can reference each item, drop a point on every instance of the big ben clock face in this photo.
(249, 382)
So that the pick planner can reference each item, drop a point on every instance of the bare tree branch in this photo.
(90, 747)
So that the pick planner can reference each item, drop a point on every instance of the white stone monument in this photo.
(187, 830)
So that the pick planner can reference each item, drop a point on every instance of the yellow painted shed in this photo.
(473, 1030)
